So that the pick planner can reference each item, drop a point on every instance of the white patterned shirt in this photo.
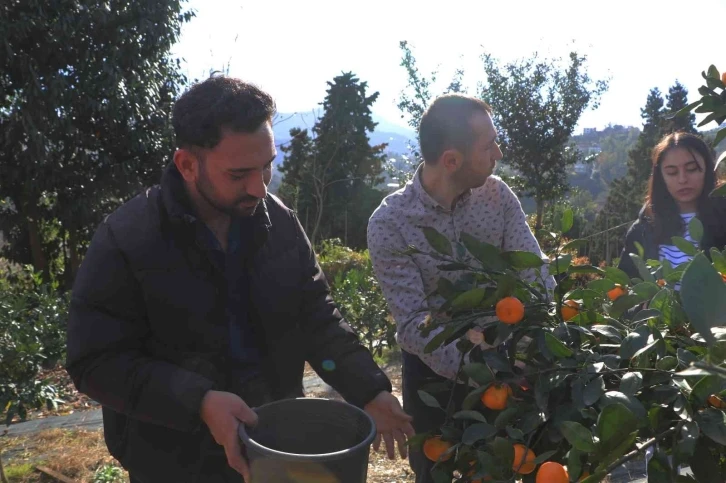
(491, 213)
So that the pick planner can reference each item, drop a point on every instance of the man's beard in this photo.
(206, 191)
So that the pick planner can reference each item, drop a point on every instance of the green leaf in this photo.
(685, 358)
(617, 276)
(470, 299)
(541, 458)
(612, 454)
(602, 285)
(477, 432)
(439, 339)
(480, 373)
(470, 416)
(695, 229)
(504, 451)
(703, 294)
(684, 245)
(556, 346)
(686, 109)
(446, 288)
(578, 436)
(521, 260)
(560, 265)
(474, 397)
(428, 399)
(625, 303)
(630, 402)
(584, 269)
(574, 245)
(705, 387)
(633, 342)
(668, 363)
(646, 314)
(713, 72)
(568, 219)
(688, 436)
(659, 469)
(514, 433)
(647, 290)
(704, 465)
(720, 136)
(505, 417)
(593, 391)
(719, 261)
(643, 268)
(713, 424)
(437, 241)
(487, 254)
(631, 383)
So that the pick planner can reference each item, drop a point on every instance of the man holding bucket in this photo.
(453, 191)
(202, 298)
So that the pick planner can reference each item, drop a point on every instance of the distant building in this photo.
(589, 130)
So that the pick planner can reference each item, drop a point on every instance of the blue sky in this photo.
(292, 48)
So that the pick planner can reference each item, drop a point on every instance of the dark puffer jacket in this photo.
(148, 337)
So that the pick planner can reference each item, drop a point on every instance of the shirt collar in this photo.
(426, 198)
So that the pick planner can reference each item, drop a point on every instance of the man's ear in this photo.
(187, 163)
(451, 160)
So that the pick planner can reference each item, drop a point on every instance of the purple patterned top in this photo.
(491, 213)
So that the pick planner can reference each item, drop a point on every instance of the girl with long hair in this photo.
(681, 181)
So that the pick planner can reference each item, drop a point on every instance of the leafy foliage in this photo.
(85, 100)
(630, 370)
(32, 336)
(357, 294)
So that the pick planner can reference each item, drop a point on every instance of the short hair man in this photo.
(202, 297)
(453, 191)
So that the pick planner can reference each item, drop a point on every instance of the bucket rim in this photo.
(251, 443)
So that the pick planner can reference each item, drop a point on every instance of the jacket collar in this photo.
(179, 208)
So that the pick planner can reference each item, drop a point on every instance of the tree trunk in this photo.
(318, 219)
(75, 259)
(540, 214)
(40, 262)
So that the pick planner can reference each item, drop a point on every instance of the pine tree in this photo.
(325, 172)
(677, 99)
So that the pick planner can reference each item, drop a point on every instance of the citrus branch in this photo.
(636, 452)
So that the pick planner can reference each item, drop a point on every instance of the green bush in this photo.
(356, 291)
(32, 337)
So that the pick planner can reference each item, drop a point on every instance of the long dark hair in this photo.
(660, 206)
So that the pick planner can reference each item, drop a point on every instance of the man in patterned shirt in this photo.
(453, 191)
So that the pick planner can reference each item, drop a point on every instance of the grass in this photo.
(19, 472)
(77, 454)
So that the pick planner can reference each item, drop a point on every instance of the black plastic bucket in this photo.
(309, 440)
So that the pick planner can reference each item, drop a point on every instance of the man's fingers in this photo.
(399, 413)
(390, 449)
(233, 450)
(408, 430)
(401, 440)
(245, 414)
(377, 442)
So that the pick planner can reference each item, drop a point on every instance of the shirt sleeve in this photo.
(518, 236)
(403, 288)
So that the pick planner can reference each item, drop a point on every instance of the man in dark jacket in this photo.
(201, 298)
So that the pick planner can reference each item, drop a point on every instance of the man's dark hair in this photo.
(218, 103)
(445, 125)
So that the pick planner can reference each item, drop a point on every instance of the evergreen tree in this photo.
(677, 99)
(325, 173)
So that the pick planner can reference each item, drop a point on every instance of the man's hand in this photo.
(391, 423)
(222, 412)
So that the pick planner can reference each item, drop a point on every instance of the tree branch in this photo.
(636, 452)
